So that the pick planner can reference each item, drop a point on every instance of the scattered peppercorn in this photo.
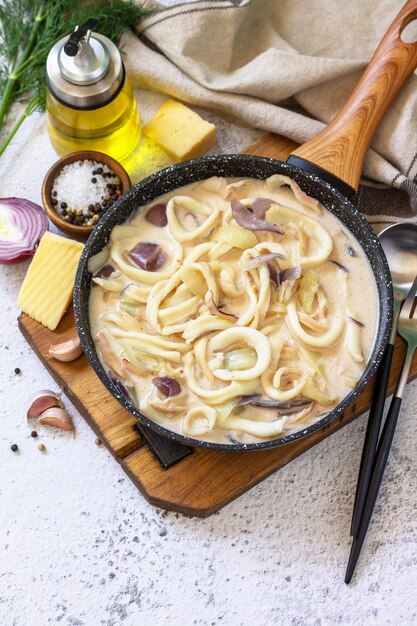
(94, 179)
(98, 442)
(14, 447)
(17, 370)
(41, 447)
(64, 205)
(34, 434)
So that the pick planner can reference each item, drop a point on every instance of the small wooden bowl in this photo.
(75, 231)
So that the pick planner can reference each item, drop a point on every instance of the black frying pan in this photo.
(327, 167)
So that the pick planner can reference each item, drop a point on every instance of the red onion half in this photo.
(22, 224)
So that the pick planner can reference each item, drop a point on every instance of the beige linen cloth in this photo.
(284, 66)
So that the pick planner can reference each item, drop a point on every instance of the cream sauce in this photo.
(351, 294)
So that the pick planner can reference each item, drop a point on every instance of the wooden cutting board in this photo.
(206, 480)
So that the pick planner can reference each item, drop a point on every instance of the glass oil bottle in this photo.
(90, 103)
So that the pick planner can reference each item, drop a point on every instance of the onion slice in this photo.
(268, 403)
(167, 386)
(213, 308)
(357, 322)
(340, 266)
(157, 215)
(256, 261)
(22, 224)
(118, 384)
(105, 272)
(246, 219)
(260, 207)
(148, 256)
(292, 273)
(277, 277)
(99, 260)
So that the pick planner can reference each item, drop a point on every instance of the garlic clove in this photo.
(67, 350)
(57, 417)
(42, 401)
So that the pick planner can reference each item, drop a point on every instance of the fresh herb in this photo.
(29, 29)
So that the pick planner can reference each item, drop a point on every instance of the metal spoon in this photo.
(399, 242)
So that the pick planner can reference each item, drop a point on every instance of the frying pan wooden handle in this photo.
(341, 147)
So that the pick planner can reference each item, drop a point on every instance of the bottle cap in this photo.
(84, 70)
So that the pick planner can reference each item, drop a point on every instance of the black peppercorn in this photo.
(34, 434)
(64, 205)
(94, 179)
(14, 447)
(17, 370)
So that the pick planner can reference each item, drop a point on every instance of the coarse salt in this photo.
(74, 187)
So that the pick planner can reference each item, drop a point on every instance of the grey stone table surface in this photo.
(79, 546)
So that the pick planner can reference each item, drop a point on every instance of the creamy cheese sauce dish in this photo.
(233, 310)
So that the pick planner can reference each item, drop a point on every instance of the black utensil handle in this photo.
(166, 450)
(377, 474)
(371, 437)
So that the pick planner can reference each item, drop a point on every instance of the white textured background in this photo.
(79, 545)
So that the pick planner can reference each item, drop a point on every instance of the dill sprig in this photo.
(29, 29)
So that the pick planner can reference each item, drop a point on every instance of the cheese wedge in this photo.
(180, 132)
(47, 289)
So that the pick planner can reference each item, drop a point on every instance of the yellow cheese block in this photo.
(180, 132)
(47, 289)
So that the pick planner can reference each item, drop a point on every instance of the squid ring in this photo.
(193, 206)
(199, 421)
(250, 336)
(325, 340)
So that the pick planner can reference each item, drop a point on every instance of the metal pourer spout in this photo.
(78, 45)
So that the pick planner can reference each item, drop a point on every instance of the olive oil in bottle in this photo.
(90, 103)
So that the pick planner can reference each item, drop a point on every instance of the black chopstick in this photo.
(376, 479)
(371, 437)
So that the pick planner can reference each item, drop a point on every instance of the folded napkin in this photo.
(285, 67)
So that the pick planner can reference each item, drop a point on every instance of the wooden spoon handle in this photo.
(341, 147)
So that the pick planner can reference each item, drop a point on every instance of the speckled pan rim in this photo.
(215, 165)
